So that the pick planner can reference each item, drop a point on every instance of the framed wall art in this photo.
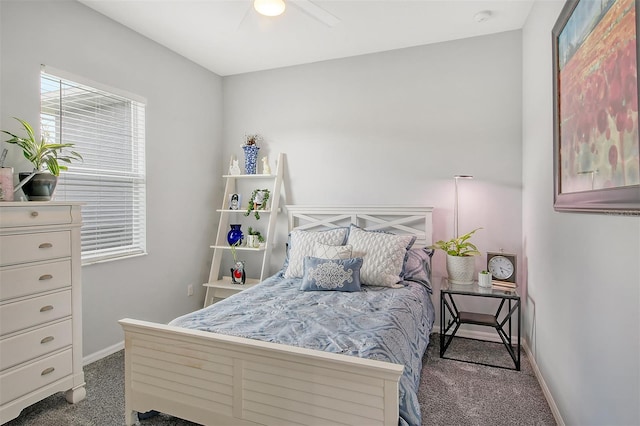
(595, 83)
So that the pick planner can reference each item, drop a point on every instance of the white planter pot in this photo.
(252, 241)
(484, 280)
(460, 269)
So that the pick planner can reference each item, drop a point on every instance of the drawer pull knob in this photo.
(45, 277)
(46, 308)
(45, 245)
(46, 340)
(34, 214)
(47, 371)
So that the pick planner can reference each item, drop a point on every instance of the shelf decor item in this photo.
(460, 257)
(254, 238)
(238, 275)
(39, 185)
(250, 149)
(235, 235)
(257, 201)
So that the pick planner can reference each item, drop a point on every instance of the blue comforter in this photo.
(379, 323)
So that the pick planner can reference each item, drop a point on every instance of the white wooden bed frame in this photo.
(214, 379)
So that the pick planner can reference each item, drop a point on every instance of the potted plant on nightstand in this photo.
(460, 257)
(39, 184)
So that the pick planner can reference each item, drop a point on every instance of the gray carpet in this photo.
(451, 393)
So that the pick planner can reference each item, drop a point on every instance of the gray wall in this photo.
(583, 307)
(389, 128)
(394, 128)
(183, 121)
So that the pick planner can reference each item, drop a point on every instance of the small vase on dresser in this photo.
(40, 304)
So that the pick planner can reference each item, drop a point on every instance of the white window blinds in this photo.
(108, 130)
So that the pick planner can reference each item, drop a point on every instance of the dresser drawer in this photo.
(31, 312)
(26, 280)
(34, 215)
(24, 248)
(30, 377)
(27, 346)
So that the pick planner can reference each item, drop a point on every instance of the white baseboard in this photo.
(96, 356)
(545, 389)
(493, 337)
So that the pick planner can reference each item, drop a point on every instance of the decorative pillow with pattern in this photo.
(417, 266)
(383, 255)
(303, 243)
(331, 274)
(326, 251)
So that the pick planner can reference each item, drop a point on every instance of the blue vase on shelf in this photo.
(250, 158)
(235, 236)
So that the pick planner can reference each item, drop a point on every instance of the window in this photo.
(108, 131)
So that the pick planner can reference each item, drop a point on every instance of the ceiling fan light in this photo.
(269, 7)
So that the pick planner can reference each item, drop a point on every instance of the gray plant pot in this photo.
(40, 187)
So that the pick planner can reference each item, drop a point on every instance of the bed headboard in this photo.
(402, 220)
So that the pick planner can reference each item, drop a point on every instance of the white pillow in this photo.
(383, 255)
(326, 251)
(302, 243)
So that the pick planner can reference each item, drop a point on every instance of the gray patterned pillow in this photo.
(302, 243)
(331, 274)
(383, 255)
(417, 266)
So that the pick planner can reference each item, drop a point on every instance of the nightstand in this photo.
(225, 288)
(450, 316)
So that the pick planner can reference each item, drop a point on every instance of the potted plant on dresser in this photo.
(460, 257)
(45, 156)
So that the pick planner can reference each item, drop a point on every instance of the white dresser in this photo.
(40, 304)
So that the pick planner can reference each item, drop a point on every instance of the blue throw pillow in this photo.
(331, 274)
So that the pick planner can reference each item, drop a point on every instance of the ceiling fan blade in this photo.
(246, 14)
(316, 12)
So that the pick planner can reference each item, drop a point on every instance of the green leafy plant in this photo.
(257, 234)
(257, 203)
(460, 246)
(41, 153)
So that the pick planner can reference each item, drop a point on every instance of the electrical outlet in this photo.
(190, 290)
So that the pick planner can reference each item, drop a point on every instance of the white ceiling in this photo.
(228, 37)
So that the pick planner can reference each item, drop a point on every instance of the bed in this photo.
(276, 354)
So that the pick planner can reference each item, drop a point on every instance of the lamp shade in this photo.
(269, 7)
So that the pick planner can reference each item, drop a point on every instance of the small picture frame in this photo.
(235, 201)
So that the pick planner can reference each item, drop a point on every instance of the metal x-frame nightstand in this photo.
(497, 320)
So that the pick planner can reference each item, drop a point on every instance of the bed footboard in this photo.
(216, 379)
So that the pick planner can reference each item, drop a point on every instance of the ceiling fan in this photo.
(277, 7)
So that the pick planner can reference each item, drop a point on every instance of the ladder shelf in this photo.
(244, 184)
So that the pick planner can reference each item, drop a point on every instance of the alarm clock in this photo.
(502, 266)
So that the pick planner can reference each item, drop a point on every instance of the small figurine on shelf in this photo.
(234, 167)
(238, 275)
(266, 169)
